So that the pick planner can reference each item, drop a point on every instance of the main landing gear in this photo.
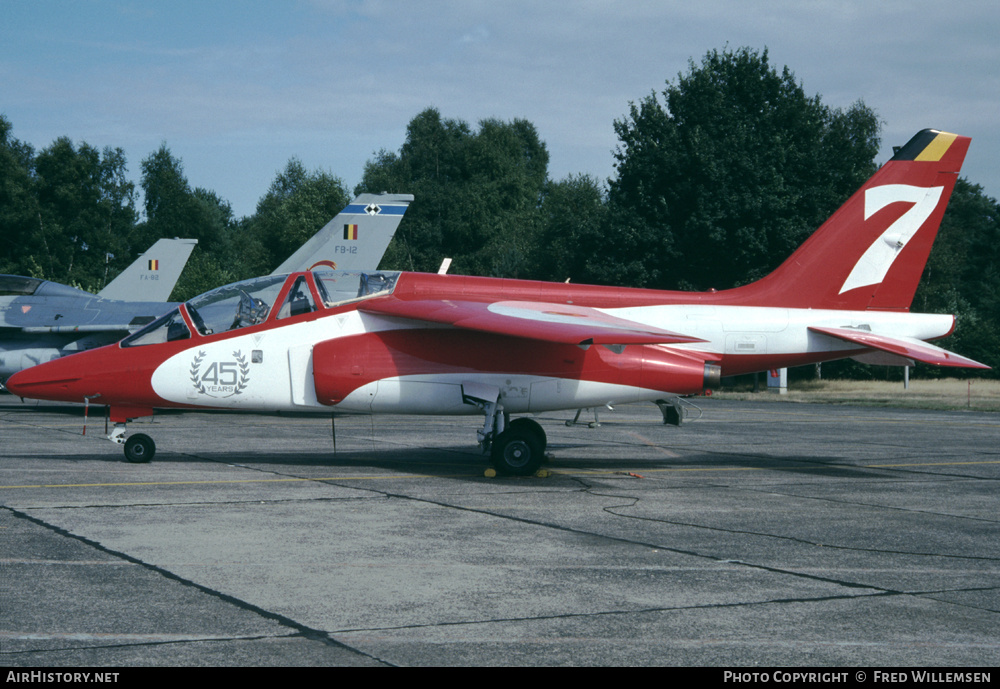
(516, 448)
(139, 448)
(519, 449)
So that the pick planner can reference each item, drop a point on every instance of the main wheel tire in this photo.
(531, 426)
(516, 452)
(139, 448)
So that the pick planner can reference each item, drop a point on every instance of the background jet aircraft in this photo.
(41, 320)
(449, 344)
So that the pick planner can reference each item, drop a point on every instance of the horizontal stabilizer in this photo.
(901, 346)
(563, 323)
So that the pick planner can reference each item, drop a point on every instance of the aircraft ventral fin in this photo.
(904, 347)
(562, 323)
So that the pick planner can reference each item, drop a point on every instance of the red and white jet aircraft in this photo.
(408, 343)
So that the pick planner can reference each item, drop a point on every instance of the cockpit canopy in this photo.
(21, 286)
(251, 302)
(235, 306)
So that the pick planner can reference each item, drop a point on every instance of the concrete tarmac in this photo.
(756, 534)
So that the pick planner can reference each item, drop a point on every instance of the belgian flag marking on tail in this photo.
(938, 147)
(929, 145)
(154, 264)
(350, 231)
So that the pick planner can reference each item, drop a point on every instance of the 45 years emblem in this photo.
(220, 378)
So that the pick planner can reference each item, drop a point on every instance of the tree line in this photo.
(719, 177)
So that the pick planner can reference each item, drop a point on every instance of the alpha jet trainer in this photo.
(448, 344)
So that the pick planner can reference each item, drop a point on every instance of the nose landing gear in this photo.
(139, 448)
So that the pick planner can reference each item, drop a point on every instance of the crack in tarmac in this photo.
(300, 629)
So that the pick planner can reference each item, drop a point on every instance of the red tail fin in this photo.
(871, 252)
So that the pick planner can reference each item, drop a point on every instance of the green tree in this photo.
(295, 207)
(86, 212)
(174, 209)
(574, 219)
(477, 194)
(724, 178)
(18, 203)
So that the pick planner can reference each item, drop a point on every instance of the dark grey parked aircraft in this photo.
(42, 320)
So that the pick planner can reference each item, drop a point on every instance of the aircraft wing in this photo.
(152, 276)
(355, 239)
(562, 323)
(909, 348)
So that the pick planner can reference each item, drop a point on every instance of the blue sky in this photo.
(236, 89)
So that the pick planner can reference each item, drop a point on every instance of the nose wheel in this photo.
(139, 448)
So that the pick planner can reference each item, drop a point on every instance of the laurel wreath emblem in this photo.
(241, 383)
(196, 370)
(244, 371)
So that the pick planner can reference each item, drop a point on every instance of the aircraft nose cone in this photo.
(52, 380)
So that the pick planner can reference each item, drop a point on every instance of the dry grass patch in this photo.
(973, 394)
